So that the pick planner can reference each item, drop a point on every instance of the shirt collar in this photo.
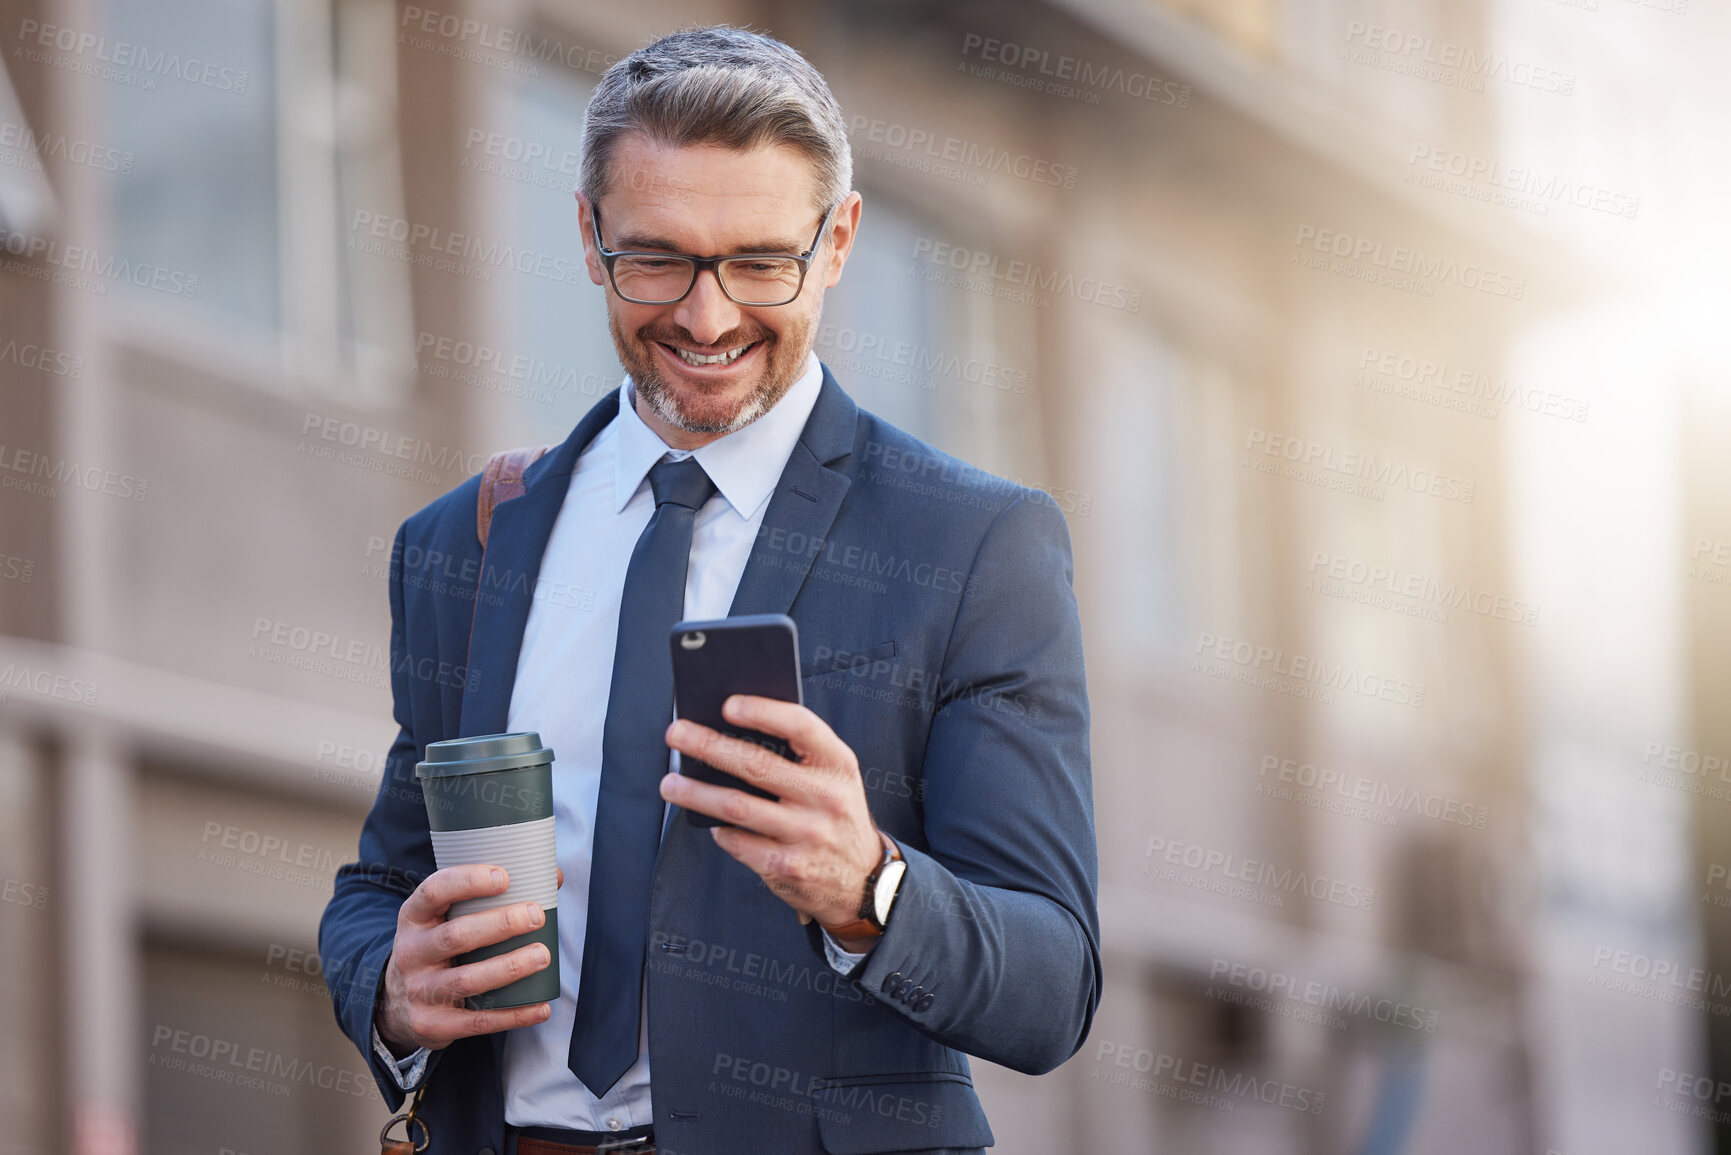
(744, 464)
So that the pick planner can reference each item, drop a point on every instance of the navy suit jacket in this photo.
(940, 639)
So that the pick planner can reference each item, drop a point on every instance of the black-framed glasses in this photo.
(758, 280)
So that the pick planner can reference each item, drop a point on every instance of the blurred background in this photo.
(1376, 351)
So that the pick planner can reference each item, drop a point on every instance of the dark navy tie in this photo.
(633, 759)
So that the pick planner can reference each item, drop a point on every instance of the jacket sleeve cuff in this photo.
(407, 1071)
(841, 961)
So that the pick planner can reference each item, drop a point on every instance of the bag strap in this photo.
(409, 1117)
(502, 480)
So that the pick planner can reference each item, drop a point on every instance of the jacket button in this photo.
(925, 1002)
(913, 995)
(890, 982)
(901, 988)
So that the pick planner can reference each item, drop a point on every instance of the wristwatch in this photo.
(880, 895)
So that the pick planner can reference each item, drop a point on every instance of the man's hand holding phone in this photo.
(814, 844)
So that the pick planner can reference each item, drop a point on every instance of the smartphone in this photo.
(751, 654)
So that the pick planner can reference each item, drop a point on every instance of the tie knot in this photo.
(682, 483)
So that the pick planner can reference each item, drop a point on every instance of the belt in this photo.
(528, 1146)
(643, 1144)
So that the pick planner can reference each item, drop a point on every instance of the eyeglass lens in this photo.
(748, 280)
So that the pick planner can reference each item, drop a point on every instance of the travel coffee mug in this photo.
(490, 802)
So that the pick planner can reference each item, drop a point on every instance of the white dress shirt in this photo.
(564, 672)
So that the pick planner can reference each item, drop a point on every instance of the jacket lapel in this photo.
(803, 507)
(509, 569)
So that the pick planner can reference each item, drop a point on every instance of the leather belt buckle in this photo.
(641, 1145)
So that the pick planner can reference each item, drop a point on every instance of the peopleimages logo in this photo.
(517, 150)
(460, 32)
(977, 263)
(1181, 1074)
(34, 147)
(46, 683)
(1428, 166)
(1469, 391)
(42, 358)
(1402, 260)
(1662, 980)
(933, 146)
(1101, 77)
(1391, 588)
(1299, 674)
(1321, 781)
(1280, 987)
(229, 1061)
(387, 444)
(20, 469)
(75, 260)
(1698, 1096)
(1233, 868)
(125, 55)
(464, 253)
(1314, 462)
(1430, 58)
(916, 365)
(467, 361)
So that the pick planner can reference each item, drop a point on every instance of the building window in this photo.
(879, 318)
(523, 170)
(202, 198)
(259, 130)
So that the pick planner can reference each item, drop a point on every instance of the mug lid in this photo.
(482, 753)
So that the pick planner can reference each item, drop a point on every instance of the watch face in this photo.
(885, 894)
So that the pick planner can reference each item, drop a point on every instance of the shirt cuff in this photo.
(406, 1071)
(841, 961)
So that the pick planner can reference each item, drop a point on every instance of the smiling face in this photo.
(705, 366)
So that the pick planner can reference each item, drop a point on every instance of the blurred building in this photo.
(1248, 287)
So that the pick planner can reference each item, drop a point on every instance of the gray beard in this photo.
(652, 389)
(648, 384)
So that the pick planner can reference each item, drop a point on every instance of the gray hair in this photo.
(718, 86)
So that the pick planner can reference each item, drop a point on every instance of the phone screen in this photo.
(753, 654)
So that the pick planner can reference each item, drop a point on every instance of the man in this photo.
(765, 986)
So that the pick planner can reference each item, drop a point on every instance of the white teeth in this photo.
(727, 358)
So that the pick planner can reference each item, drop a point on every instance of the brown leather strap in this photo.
(502, 480)
(530, 1146)
(415, 1129)
(417, 1136)
(863, 927)
(858, 928)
